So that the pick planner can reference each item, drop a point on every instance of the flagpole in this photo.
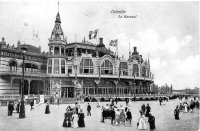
(98, 37)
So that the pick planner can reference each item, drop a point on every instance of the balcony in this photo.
(26, 73)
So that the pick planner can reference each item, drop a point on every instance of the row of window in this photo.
(19, 56)
(87, 67)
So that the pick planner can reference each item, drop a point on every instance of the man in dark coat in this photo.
(151, 121)
(32, 104)
(160, 100)
(10, 109)
(129, 116)
(116, 100)
(112, 114)
(81, 122)
(88, 110)
(148, 109)
(103, 114)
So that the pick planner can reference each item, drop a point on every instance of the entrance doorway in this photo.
(67, 92)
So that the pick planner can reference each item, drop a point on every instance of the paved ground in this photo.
(37, 120)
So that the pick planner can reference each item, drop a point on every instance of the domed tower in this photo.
(56, 58)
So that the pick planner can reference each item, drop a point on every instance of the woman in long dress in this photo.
(81, 122)
(176, 113)
(185, 105)
(47, 111)
(117, 117)
(141, 122)
(75, 120)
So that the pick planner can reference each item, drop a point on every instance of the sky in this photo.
(167, 31)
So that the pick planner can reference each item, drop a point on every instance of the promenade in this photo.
(37, 120)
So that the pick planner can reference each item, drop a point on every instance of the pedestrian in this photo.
(148, 109)
(176, 113)
(32, 104)
(58, 102)
(81, 122)
(192, 105)
(103, 114)
(18, 105)
(117, 117)
(134, 98)
(128, 117)
(116, 100)
(141, 124)
(151, 121)
(75, 120)
(76, 107)
(160, 100)
(122, 116)
(10, 109)
(143, 108)
(197, 104)
(47, 111)
(185, 105)
(112, 114)
(88, 110)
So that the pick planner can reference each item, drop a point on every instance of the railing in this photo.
(127, 95)
(19, 72)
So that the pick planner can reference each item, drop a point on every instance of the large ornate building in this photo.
(71, 69)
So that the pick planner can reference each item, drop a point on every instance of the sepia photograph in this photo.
(99, 65)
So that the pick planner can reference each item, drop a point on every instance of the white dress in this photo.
(75, 121)
(142, 123)
(185, 105)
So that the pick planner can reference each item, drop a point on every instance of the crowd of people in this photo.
(186, 106)
(74, 117)
(118, 113)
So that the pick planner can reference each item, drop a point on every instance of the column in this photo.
(29, 81)
(97, 81)
(115, 88)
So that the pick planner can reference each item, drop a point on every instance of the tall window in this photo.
(106, 67)
(50, 66)
(13, 66)
(143, 71)
(62, 66)
(123, 68)
(86, 66)
(135, 70)
(56, 66)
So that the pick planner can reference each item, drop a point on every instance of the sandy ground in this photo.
(37, 120)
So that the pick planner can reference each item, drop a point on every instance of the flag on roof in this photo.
(93, 34)
(114, 43)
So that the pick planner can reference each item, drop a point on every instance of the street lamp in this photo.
(22, 106)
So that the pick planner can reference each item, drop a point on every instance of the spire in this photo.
(58, 16)
(57, 33)
(129, 50)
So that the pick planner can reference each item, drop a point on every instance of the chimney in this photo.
(135, 49)
(100, 40)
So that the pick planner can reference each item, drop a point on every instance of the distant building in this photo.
(71, 69)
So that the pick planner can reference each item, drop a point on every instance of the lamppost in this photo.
(22, 106)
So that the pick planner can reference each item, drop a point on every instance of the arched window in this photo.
(29, 67)
(135, 70)
(34, 68)
(143, 71)
(13, 66)
(106, 67)
(123, 68)
(43, 69)
(86, 66)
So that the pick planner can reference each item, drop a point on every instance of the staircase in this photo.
(68, 100)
